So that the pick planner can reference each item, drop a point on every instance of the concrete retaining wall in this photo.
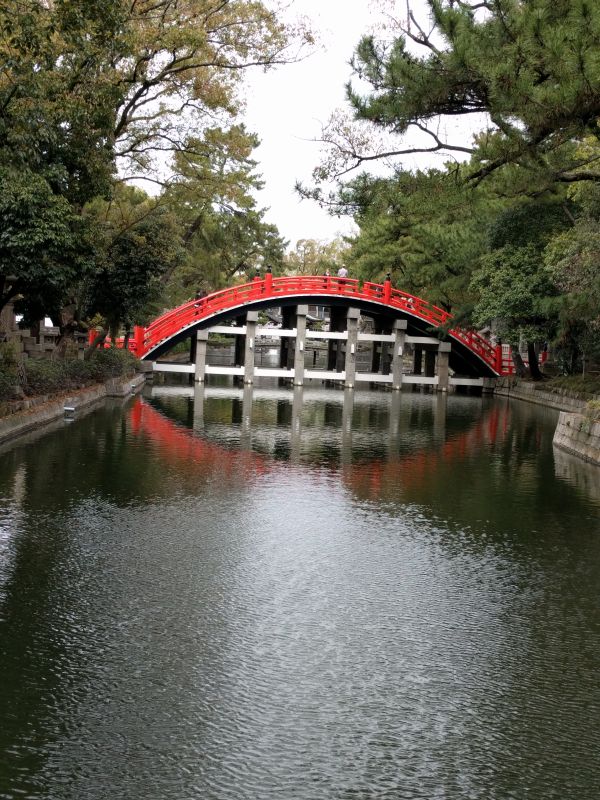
(41, 414)
(562, 401)
(577, 434)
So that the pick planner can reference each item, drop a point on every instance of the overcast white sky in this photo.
(286, 107)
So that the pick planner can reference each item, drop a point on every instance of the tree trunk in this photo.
(99, 340)
(534, 367)
(520, 368)
(68, 325)
(126, 338)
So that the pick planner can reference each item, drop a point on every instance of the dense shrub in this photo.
(37, 377)
(592, 410)
(111, 363)
(9, 375)
(581, 386)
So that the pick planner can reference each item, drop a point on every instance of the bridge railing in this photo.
(172, 322)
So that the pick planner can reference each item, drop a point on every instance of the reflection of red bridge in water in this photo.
(412, 470)
(179, 444)
(180, 323)
(409, 470)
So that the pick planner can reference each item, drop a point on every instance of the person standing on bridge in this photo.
(342, 275)
(199, 297)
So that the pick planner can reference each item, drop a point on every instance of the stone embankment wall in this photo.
(575, 433)
(41, 413)
(521, 390)
(580, 435)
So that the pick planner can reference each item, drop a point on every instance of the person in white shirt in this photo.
(342, 272)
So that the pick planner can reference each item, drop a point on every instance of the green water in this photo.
(299, 595)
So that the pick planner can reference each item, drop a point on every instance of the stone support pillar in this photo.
(301, 313)
(251, 320)
(400, 326)
(201, 347)
(443, 368)
(351, 346)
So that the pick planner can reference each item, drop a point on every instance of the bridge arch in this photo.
(471, 353)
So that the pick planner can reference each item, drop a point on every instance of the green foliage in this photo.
(40, 377)
(427, 229)
(541, 87)
(513, 288)
(138, 242)
(592, 409)
(111, 363)
(9, 374)
(153, 89)
(314, 257)
(40, 239)
(582, 387)
(58, 93)
(227, 245)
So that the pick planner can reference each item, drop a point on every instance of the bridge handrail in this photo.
(175, 320)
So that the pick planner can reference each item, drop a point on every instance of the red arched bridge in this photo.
(472, 354)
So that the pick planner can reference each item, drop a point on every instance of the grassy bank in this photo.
(583, 387)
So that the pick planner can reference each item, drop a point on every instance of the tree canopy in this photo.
(93, 95)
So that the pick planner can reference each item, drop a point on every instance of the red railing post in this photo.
(387, 288)
(268, 281)
(91, 336)
(498, 359)
(138, 338)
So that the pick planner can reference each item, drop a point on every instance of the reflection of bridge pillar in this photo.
(201, 346)
(198, 424)
(286, 354)
(394, 430)
(251, 320)
(400, 326)
(246, 421)
(348, 409)
(335, 352)
(440, 408)
(352, 317)
(443, 368)
(296, 425)
(300, 326)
